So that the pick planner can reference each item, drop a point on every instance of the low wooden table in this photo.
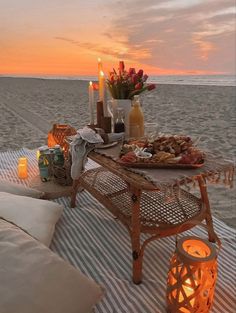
(142, 207)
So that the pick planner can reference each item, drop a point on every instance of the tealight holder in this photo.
(23, 168)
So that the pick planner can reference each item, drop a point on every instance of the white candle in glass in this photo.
(91, 103)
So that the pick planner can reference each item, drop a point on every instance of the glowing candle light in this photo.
(192, 276)
(188, 291)
(99, 66)
(23, 160)
(102, 91)
(22, 168)
(91, 103)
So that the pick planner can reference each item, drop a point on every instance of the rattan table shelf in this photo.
(142, 207)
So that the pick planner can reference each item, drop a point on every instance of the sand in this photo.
(29, 107)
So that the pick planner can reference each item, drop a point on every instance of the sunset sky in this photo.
(65, 37)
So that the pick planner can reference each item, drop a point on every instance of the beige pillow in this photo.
(18, 189)
(37, 217)
(35, 280)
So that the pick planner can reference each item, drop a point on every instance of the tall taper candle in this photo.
(101, 85)
(91, 103)
(102, 91)
(99, 66)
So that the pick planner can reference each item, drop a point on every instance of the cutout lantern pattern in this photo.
(192, 276)
(57, 136)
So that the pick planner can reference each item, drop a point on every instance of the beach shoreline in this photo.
(30, 106)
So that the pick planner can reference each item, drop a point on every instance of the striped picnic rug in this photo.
(91, 239)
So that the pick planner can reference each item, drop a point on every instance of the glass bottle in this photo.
(119, 126)
(136, 119)
(58, 156)
(43, 164)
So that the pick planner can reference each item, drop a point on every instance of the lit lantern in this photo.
(22, 168)
(192, 276)
(51, 140)
(58, 134)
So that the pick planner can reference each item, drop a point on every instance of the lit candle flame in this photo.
(23, 160)
(188, 292)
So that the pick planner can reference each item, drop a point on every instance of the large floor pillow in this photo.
(33, 279)
(18, 189)
(38, 217)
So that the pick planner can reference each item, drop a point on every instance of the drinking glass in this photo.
(151, 131)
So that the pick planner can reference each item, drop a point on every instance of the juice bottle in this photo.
(136, 119)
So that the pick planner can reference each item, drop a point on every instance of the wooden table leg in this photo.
(135, 236)
(74, 191)
(203, 189)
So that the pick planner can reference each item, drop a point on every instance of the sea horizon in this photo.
(205, 80)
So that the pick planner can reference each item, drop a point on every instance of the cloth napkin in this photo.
(82, 143)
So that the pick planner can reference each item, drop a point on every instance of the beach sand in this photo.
(29, 107)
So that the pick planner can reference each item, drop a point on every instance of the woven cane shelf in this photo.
(148, 212)
(158, 214)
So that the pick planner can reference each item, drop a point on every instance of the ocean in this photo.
(200, 80)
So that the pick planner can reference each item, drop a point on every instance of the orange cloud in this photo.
(162, 37)
(204, 48)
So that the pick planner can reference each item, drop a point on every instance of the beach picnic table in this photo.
(155, 202)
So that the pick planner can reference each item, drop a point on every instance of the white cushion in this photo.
(35, 280)
(37, 217)
(19, 189)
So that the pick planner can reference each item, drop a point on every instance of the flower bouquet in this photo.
(126, 84)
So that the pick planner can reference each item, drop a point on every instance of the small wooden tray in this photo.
(159, 165)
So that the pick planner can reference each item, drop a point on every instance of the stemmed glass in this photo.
(151, 131)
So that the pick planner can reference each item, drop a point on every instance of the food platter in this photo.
(168, 151)
(159, 165)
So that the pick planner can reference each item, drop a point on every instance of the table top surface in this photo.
(154, 179)
(132, 178)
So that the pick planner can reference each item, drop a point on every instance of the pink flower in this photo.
(131, 71)
(140, 73)
(138, 86)
(121, 66)
(124, 84)
(150, 87)
(134, 78)
(145, 77)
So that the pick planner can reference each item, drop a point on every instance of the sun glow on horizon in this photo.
(47, 38)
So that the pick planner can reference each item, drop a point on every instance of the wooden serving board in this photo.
(159, 165)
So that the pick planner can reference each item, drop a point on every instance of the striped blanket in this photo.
(91, 239)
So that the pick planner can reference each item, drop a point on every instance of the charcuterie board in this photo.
(159, 165)
(166, 151)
